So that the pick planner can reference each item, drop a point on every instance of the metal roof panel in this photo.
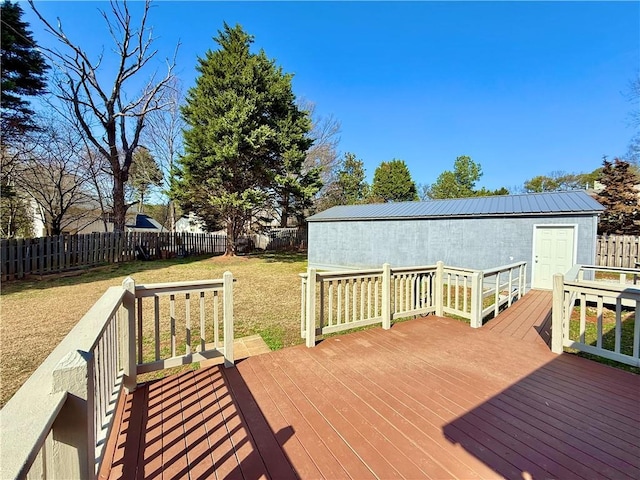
(553, 203)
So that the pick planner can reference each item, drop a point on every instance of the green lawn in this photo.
(38, 313)
(608, 334)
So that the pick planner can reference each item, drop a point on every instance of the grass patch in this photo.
(273, 335)
(38, 313)
(608, 334)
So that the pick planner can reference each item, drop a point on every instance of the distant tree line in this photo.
(238, 149)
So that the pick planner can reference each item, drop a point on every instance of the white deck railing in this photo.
(502, 286)
(344, 300)
(183, 338)
(580, 288)
(57, 424)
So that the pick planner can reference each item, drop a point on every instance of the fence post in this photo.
(476, 299)
(227, 316)
(557, 314)
(439, 288)
(128, 335)
(386, 296)
(73, 431)
(311, 308)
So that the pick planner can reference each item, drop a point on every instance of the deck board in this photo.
(430, 398)
(529, 318)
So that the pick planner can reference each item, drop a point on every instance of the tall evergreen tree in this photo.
(458, 183)
(23, 71)
(392, 182)
(461, 182)
(144, 174)
(245, 140)
(351, 180)
(620, 199)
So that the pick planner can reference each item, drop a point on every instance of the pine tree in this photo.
(620, 199)
(23, 71)
(245, 140)
(458, 183)
(392, 183)
(351, 181)
(144, 174)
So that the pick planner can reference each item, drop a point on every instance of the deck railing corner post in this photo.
(557, 314)
(311, 308)
(228, 319)
(476, 299)
(128, 335)
(73, 429)
(439, 290)
(386, 296)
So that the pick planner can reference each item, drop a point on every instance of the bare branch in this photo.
(111, 120)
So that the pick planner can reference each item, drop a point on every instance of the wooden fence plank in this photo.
(20, 257)
(61, 253)
(617, 251)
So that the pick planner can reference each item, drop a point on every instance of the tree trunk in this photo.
(172, 215)
(55, 228)
(119, 207)
(284, 214)
(231, 238)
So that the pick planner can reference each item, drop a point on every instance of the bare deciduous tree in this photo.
(163, 136)
(55, 180)
(325, 133)
(111, 118)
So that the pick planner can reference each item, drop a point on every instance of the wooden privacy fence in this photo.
(57, 424)
(38, 256)
(281, 239)
(617, 251)
(337, 301)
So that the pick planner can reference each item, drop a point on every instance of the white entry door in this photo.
(553, 252)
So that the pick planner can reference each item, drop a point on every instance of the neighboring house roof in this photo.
(145, 223)
(534, 204)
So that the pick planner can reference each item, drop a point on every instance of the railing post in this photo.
(311, 308)
(439, 292)
(127, 334)
(303, 306)
(476, 299)
(386, 296)
(227, 315)
(73, 431)
(557, 314)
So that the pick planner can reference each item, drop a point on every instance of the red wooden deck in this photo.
(528, 319)
(430, 398)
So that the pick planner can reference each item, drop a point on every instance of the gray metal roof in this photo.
(533, 204)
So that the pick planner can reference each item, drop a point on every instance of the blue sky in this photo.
(524, 88)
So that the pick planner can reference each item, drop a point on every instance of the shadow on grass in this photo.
(280, 257)
(94, 274)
